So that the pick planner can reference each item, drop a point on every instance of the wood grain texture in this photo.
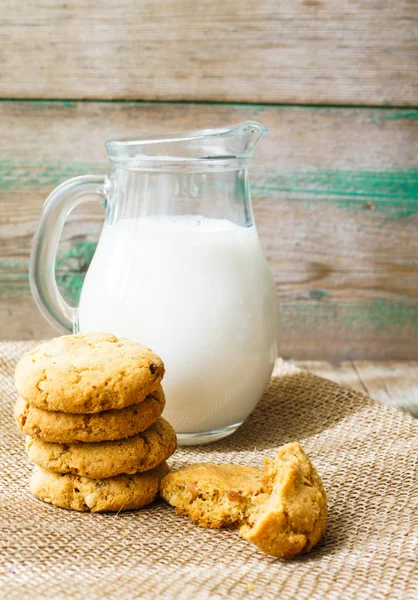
(394, 383)
(342, 372)
(292, 51)
(335, 200)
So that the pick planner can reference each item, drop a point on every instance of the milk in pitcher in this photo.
(198, 292)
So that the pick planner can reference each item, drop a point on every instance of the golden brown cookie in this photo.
(123, 492)
(94, 427)
(213, 495)
(99, 460)
(87, 373)
(281, 508)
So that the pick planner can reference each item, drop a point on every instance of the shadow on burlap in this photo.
(365, 453)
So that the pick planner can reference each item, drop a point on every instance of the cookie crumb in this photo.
(250, 587)
(126, 533)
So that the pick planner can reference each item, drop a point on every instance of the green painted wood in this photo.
(335, 194)
(389, 188)
(393, 192)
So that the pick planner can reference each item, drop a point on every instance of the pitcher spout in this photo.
(224, 148)
(245, 137)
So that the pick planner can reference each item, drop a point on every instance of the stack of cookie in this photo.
(91, 407)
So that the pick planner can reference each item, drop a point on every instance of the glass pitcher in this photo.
(178, 268)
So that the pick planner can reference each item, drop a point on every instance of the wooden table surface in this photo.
(394, 383)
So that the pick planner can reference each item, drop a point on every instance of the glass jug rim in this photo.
(222, 148)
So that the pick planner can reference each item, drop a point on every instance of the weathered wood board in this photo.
(392, 383)
(335, 196)
(293, 51)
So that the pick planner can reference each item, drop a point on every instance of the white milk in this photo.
(199, 293)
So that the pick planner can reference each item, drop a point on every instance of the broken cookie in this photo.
(280, 508)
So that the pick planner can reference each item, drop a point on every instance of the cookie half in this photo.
(94, 427)
(281, 508)
(87, 373)
(100, 460)
(213, 495)
(123, 492)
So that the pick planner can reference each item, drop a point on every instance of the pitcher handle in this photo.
(54, 213)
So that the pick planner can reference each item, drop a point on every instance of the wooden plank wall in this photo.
(297, 51)
(338, 226)
(335, 188)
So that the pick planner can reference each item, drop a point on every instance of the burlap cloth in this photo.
(366, 454)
